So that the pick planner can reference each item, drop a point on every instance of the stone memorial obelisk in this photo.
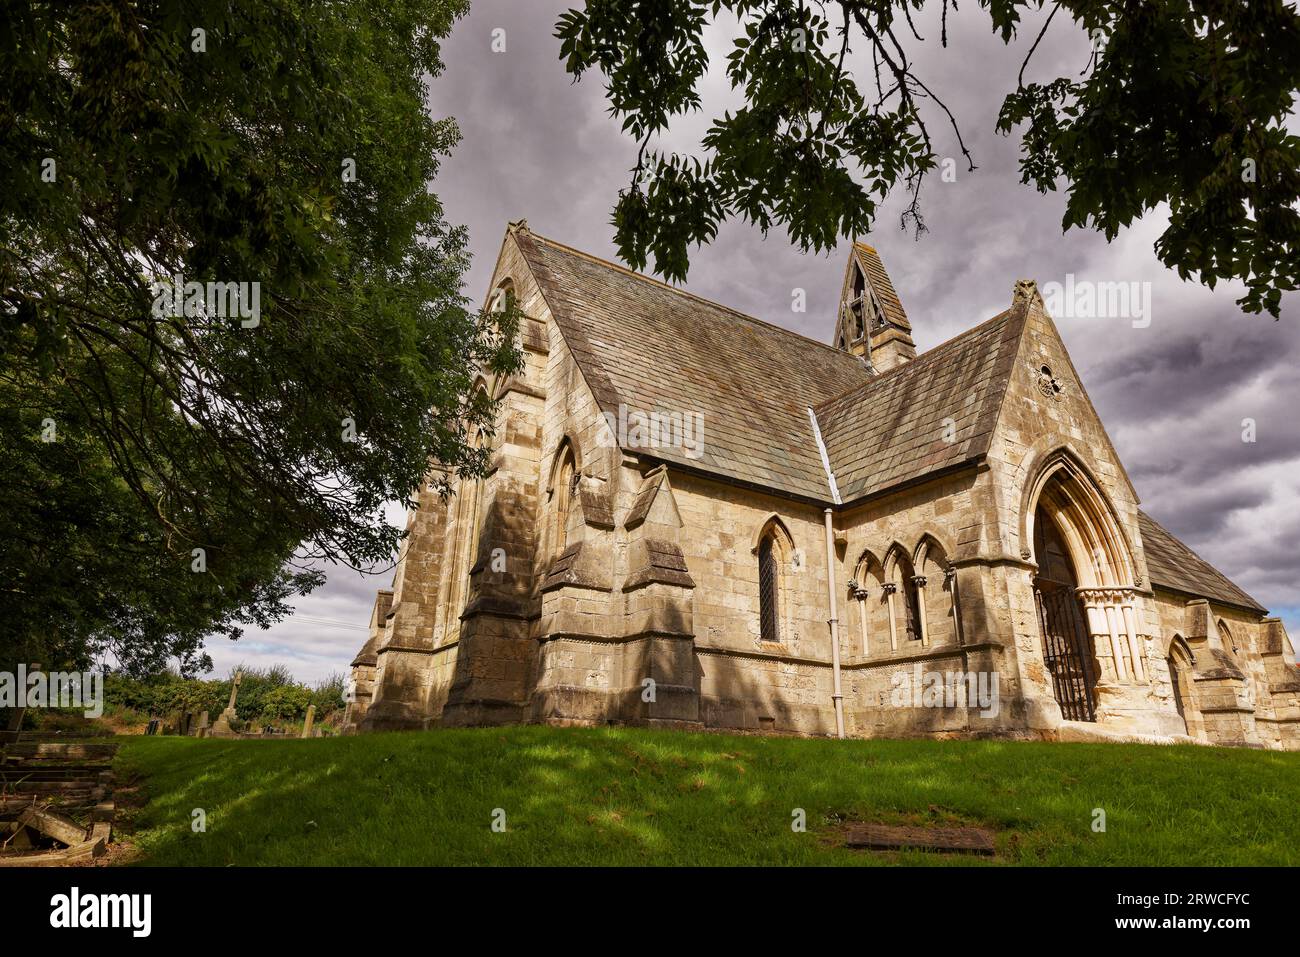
(222, 724)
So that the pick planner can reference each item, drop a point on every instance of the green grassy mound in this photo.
(629, 796)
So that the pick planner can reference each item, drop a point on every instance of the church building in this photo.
(696, 519)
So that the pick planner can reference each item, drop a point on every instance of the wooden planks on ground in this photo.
(52, 824)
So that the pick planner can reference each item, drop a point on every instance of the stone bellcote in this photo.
(871, 322)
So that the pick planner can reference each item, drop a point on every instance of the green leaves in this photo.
(1042, 107)
(805, 151)
(261, 445)
(681, 193)
(1005, 16)
(1183, 105)
(651, 51)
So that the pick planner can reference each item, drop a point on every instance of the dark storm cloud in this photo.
(1172, 395)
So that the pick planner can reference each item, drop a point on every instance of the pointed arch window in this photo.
(934, 591)
(468, 529)
(867, 589)
(905, 583)
(769, 588)
(912, 608)
(503, 301)
(903, 595)
(1181, 662)
(475, 525)
(563, 490)
(859, 303)
(1228, 638)
(1176, 685)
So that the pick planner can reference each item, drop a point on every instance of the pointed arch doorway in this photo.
(1067, 644)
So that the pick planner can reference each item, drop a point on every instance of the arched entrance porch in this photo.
(1068, 650)
(1084, 588)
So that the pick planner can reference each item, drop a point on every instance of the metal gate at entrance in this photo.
(1066, 649)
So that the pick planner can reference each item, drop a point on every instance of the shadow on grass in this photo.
(631, 796)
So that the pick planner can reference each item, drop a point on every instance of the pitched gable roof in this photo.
(369, 653)
(894, 428)
(655, 348)
(1175, 566)
(890, 304)
(645, 344)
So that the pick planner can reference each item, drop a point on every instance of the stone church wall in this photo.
(644, 607)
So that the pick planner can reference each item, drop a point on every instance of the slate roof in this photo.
(892, 429)
(659, 349)
(891, 305)
(369, 653)
(645, 497)
(1173, 565)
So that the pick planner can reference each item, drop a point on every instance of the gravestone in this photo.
(205, 725)
(223, 722)
(311, 717)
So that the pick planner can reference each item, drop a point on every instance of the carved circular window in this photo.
(1048, 384)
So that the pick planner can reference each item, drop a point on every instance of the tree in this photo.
(1182, 102)
(231, 320)
(285, 702)
(328, 695)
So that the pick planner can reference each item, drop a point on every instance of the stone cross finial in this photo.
(1026, 290)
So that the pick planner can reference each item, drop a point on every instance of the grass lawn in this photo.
(631, 796)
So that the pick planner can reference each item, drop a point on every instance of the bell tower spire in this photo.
(871, 322)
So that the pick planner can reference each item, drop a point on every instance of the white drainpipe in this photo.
(833, 621)
(837, 695)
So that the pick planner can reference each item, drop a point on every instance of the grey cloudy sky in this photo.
(1172, 395)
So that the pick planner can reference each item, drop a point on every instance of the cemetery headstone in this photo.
(224, 720)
